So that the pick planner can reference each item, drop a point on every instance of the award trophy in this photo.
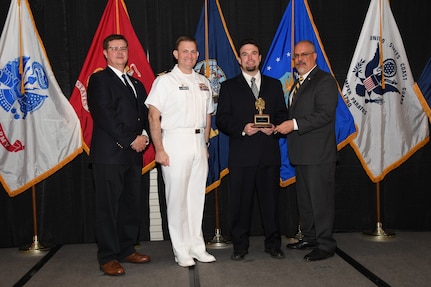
(261, 120)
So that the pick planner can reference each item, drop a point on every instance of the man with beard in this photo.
(254, 155)
(313, 151)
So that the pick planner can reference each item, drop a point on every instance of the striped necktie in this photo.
(254, 88)
(297, 86)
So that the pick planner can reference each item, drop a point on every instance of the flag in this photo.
(296, 25)
(39, 130)
(424, 84)
(217, 61)
(115, 20)
(383, 97)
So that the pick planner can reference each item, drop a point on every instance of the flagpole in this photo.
(35, 246)
(218, 242)
(379, 233)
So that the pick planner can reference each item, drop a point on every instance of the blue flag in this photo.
(296, 25)
(424, 84)
(217, 61)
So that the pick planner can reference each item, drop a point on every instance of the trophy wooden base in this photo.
(262, 125)
(261, 121)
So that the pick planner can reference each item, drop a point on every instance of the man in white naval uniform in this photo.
(180, 107)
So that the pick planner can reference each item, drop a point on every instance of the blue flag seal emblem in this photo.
(216, 77)
(370, 85)
(12, 99)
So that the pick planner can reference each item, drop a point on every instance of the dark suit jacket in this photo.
(236, 108)
(314, 107)
(118, 117)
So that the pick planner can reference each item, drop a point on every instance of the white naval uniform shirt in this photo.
(184, 100)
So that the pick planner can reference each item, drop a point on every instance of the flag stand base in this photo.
(36, 247)
(379, 234)
(218, 241)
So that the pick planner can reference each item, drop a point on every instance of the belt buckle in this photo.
(197, 131)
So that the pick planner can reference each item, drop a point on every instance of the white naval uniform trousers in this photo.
(184, 101)
(187, 172)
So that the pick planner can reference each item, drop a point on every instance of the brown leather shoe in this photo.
(137, 258)
(112, 268)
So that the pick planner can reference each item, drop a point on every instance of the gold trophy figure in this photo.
(261, 120)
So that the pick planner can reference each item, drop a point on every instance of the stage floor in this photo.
(359, 261)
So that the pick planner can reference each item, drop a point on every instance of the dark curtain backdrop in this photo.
(65, 200)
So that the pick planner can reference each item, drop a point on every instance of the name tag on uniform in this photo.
(183, 88)
(203, 87)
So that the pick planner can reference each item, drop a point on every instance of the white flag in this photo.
(383, 97)
(39, 130)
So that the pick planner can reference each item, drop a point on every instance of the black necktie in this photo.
(128, 85)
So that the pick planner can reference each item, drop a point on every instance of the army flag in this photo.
(39, 130)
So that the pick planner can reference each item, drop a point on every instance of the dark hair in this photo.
(113, 37)
(248, 41)
(185, 39)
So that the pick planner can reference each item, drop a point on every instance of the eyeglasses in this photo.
(296, 56)
(121, 49)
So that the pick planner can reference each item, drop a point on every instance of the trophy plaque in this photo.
(261, 120)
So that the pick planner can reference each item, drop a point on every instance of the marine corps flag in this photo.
(383, 97)
(115, 20)
(217, 61)
(39, 130)
(296, 25)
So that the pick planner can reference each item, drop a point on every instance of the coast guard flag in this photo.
(383, 97)
(424, 84)
(217, 61)
(296, 25)
(39, 130)
(115, 20)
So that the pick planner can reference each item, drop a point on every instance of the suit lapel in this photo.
(124, 88)
(245, 86)
(304, 84)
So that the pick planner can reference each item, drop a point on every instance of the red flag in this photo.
(115, 20)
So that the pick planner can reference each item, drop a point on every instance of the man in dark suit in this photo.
(313, 151)
(116, 103)
(254, 155)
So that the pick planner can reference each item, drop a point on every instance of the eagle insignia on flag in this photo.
(216, 76)
(10, 83)
(371, 80)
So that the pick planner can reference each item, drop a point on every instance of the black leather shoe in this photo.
(275, 253)
(239, 255)
(302, 245)
(318, 254)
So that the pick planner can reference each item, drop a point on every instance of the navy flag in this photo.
(217, 61)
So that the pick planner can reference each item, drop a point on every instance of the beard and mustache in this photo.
(251, 68)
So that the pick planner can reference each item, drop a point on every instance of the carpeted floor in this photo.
(359, 261)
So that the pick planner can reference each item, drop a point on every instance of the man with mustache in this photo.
(254, 154)
(313, 151)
